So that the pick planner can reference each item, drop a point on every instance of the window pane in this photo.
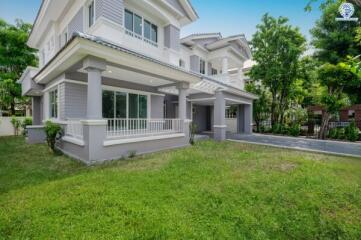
(154, 33)
(137, 24)
(91, 14)
(129, 20)
(133, 105)
(147, 29)
(142, 106)
(121, 105)
(108, 104)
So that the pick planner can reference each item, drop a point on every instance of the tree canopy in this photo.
(15, 56)
(277, 48)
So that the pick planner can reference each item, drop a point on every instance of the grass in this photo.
(210, 191)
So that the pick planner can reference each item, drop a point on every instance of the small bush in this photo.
(16, 124)
(295, 130)
(53, 133)
(340, 133)
(26, 122)
(332, 133)
(279, 129)
(132, 154)
(352, 132)
(192, 132)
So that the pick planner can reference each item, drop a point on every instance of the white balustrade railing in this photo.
(338, 124)
(74, 129)
(122, 127)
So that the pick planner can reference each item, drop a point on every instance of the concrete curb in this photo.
(297, 148)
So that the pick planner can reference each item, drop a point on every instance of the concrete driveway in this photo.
(324, 146)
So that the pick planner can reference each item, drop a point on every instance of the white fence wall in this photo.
(6, 128)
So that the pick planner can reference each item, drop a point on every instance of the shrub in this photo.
(26, 122)
(352, 132)
(332, 133)
(53, 133)
(295, 130)
(132, 154)
(340, 133)
(16, 124)
(192, 132)
(279, 129)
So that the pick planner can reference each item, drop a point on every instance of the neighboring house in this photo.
(118, 77)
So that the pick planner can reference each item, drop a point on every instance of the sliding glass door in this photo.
(130, 109)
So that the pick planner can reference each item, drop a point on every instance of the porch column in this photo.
(182, 100)
(219, 116)
(94, 67)
(244, 119)
(241, 77)
(36, 110)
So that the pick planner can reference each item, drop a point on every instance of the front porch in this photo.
(113, 102)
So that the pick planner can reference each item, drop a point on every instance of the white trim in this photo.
(202, 99)
(219, 126)
(127, 90)
(94, 122)
(141, 139)
(104, 87)
(73, 140)
(237, 101)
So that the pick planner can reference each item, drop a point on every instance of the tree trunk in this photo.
(324, 126)
(12, 109)
(273, 110)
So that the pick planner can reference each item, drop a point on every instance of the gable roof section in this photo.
(196, 38)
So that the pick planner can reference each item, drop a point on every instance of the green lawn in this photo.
(210, 191)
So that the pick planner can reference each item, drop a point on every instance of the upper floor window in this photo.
(214, 71)
(140, 28)
(182, 63)
(53, 104)
(202, 66)
(91, 14)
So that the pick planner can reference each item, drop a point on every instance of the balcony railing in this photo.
(74, 129)
(122, 127)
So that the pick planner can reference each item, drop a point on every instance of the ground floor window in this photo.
(124, 105)
(53, 104)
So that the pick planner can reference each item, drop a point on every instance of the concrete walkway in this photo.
(314, 145)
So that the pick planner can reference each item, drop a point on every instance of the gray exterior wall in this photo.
(194, 63)
(156, 106)
(94, 150)
(170, 105)
(172, 37)
(110, 9)
(75, 100)
(76, 24)
(200, 117)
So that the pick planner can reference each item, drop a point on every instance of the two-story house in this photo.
(118, 77)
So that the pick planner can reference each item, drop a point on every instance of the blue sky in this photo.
(226, 16)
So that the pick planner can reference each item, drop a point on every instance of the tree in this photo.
(277, 48)
(335, 40)
(261, 106)
(15, 56)
(335, 78)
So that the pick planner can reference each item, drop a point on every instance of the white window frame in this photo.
(86, 14)
(131, 91)
(141, 36)
(201, 60)
(50, 105)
